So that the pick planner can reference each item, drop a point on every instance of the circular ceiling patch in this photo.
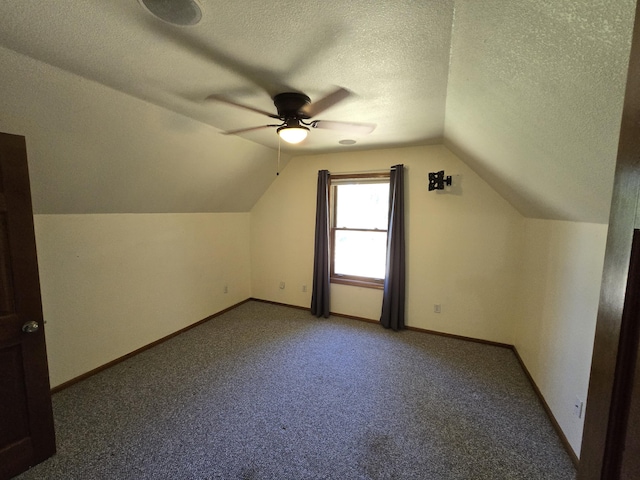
(176, 12)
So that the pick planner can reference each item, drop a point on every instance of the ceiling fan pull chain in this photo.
(278, 166)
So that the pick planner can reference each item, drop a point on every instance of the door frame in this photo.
(609, 385)
(36, 441)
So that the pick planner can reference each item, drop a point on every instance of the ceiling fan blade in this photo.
(250, 129)
(330, 100)
(350, 127)
(262, 78)
(223, 99)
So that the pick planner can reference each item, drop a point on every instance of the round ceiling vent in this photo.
(176, 12)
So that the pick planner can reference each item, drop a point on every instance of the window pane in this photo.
(362, 206)
(360, 253)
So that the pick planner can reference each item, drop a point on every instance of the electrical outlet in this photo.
(281, 285)
(304, 288)
(436, 308)
(578, 406)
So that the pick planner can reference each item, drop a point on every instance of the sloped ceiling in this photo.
(528, 93)
(535, 97)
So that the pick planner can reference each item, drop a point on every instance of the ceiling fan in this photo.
(295, 111)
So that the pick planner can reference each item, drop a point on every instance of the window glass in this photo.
(359, 218)
(362, 254)
(362, 206)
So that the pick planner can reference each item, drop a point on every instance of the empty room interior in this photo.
(156, 204)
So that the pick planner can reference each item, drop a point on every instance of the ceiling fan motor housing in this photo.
(290, 105)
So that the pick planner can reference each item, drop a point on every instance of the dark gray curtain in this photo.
(320, 293)
(394, 282)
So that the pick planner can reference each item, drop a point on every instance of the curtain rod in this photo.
(359, 172)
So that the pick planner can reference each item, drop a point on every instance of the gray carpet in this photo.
(271, 392)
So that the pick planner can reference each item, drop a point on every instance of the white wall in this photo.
(462, 247)
(114, 283)
(93, 149)
(555, 326)
(134, 267)
(499, 276)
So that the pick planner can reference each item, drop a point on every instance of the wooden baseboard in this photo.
(545, 405)
(415, 329)
(554, 422)
(90, 373)
(552, 418)
(271, 302)
(461, 337)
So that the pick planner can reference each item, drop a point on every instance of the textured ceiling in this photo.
(251, 50)
(535, 99)
(528, 93)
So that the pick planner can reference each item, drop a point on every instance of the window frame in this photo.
(354, 280)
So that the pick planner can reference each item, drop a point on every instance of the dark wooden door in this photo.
(630, 462)
(621, 454)
(26, 419)
(610, 443)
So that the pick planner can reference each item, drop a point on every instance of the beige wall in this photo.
(462, 247)
(555, 326)
(93, 149)
(115, 283)
(119, 276)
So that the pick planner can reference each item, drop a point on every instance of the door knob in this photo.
(30, 327)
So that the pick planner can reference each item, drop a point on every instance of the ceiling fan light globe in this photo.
(293, 134)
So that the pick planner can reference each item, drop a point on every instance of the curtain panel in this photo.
(320, 293)
(393, 300)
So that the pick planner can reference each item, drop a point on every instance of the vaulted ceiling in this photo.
(528, 93)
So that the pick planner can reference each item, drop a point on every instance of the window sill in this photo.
(357, 282)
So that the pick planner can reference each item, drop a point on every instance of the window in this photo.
(359, 218)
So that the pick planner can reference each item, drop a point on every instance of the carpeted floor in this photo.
(271, 392)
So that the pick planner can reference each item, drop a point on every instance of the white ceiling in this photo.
(251, 50)
(528, 93)
(535, 100)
